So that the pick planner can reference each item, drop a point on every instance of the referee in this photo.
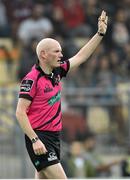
(39, 104)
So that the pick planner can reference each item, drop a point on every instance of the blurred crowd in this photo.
(72, 22)
(83, 161)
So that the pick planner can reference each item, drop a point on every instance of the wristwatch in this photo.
(100, 34)
(35, 139)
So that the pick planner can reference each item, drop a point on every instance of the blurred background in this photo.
(96, 95)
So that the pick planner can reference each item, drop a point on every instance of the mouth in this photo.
(59, 61)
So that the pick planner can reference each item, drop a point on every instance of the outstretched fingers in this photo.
(106, 20)
(103, 17)
(102, 23)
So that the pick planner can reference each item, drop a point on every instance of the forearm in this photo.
(103, 168)
(86, 51)
(25, 125)
(38, 147)
(106, 167)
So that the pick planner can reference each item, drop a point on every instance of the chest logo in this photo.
(55, 98)
(47, 89)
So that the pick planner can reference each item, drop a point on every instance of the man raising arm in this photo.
(39, 105)
(86, 51)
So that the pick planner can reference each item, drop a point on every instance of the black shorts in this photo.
(51, 141)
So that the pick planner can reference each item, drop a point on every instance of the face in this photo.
(76, 148)
(54, 55)
(90, 144)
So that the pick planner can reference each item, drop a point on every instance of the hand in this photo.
(102, 23)
(39, 148)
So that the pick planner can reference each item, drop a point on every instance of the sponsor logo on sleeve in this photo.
(26, 85)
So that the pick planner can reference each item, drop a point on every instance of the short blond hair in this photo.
(44, 44)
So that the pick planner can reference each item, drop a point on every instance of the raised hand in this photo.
(102, 23)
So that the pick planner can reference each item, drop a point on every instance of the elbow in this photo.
(19, 114)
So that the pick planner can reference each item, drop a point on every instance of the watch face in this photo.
(34, 139)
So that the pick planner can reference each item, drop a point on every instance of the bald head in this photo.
(45, 44)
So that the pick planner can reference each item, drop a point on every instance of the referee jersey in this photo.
(44, 92)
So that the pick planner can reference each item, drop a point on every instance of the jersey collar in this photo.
(43, 73)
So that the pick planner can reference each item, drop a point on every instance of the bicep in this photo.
(75, 61)
(23, 105)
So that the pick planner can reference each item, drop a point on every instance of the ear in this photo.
(43, 54)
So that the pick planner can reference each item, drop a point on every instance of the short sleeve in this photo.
(64, 68)
(27, 88)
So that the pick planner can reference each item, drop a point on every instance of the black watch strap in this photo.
(101, 34)
(35, 139)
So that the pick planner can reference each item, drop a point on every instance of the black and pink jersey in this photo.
(44, 92)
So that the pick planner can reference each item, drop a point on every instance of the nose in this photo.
(61, 55)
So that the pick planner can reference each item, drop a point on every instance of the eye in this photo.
(57, 51)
